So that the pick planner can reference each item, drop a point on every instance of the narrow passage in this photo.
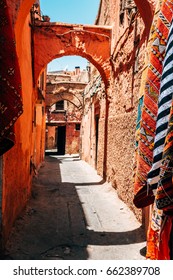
(73, 214)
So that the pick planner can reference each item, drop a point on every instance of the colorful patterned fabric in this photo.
(158, 243)
(152, 244)
(164, 105)
(164, 252)
(159, 34)
(10, 83)
(161, 174)
(157, 226)
(145, 72)
(154, 229)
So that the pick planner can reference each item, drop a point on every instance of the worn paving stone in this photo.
(73, 214)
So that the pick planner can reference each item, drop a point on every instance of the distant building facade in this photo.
(64, 109)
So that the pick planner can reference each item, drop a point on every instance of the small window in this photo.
(60, 105)
(77, 126)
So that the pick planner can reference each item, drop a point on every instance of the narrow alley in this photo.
(86, 130)
(73, 214)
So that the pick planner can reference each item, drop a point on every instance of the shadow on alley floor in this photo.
(74, 215)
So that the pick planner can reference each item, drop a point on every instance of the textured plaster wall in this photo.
(95, 104)
(86, 137)
(50, 138)
(128, 61)
(116, 146)
(121, 125)
(72, 139)
(100, 163)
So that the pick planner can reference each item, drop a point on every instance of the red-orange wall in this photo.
(16, 185)
(72, 139)
(72, 145)
(16, 173)
(50, 137)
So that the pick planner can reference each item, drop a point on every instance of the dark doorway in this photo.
(97, 137)
(61, 140)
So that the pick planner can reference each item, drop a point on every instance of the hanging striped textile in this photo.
(155, 248)
(160, 29)
(159, 35)
(164, 193)
(164, 105)
(142, 163)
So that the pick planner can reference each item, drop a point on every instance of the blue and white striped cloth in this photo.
(164, 105)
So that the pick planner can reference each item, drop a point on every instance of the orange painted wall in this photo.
(16, 173)
(39, 145)
(17, 176)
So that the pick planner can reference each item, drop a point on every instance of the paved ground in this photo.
(73, 215)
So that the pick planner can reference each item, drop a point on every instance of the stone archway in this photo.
(54, 40)
(78, 34)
